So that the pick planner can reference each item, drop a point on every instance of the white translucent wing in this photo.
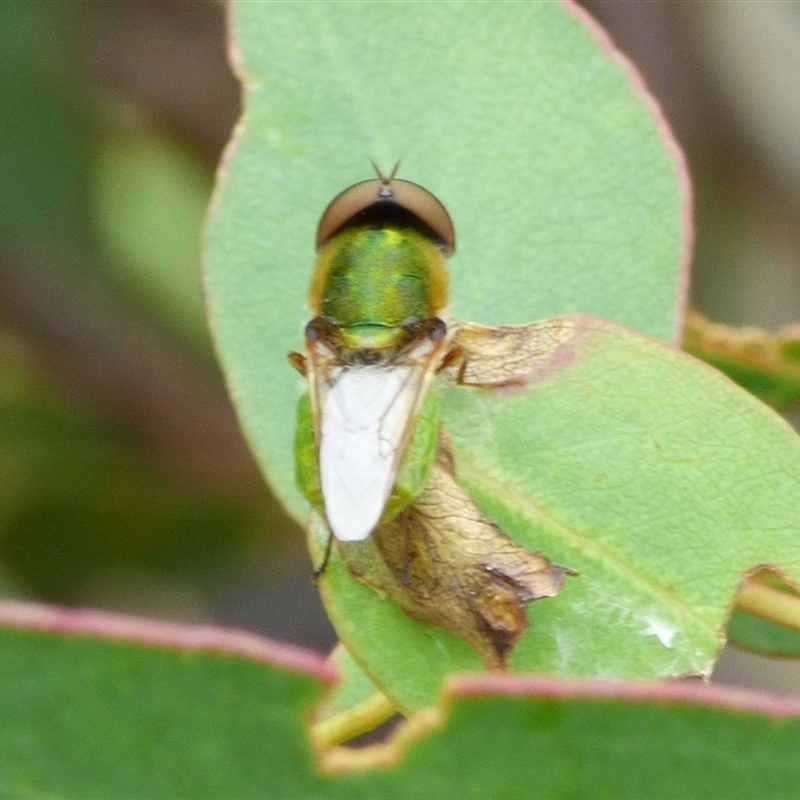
(364, 416)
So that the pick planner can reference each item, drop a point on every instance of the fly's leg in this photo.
(298, 361)
(455, 361)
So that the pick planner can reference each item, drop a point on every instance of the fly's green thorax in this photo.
(371, 282)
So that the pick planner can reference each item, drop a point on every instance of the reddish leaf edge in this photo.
(247, 83)
(679, 693)
(670, 141)
(60, 621)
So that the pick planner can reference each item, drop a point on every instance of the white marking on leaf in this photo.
(663, 630)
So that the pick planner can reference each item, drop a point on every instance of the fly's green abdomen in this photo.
(414, 472)
(370, 282)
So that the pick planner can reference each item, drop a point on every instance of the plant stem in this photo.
(770, 604)
(346, 725)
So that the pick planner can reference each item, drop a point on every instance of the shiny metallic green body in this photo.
(372, 283)
(376, 292)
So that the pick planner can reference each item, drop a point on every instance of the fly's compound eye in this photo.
(384, 200)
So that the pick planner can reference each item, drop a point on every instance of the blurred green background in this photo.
(124, 481)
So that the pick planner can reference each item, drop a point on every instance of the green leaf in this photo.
(536, 738)
(150, 199)
(57, 534)
(45, 141)
(655, 477)
(760, 636)
(766, 364)
(353, 707)
(101, 706)
(354, 686)
(767, 616)
(567, 191)
(156, 711)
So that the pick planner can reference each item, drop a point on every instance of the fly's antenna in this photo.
(386, 178)
(385, 192)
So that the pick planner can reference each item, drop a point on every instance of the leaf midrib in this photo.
(501, 487)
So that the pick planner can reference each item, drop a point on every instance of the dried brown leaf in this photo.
(508, 355)
(443, 562)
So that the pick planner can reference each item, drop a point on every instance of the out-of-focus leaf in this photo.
(45, 146)
(150, 200)
(767, 616)
(766, 364)
(353, 707)
(752, 633)
(160, 711)
(555, 739)
(354, 686)
(203, 714)
(80, 500)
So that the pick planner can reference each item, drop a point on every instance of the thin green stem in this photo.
(770, 604)
(355, 721)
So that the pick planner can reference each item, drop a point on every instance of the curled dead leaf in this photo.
(443, 562)
(509, 355)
